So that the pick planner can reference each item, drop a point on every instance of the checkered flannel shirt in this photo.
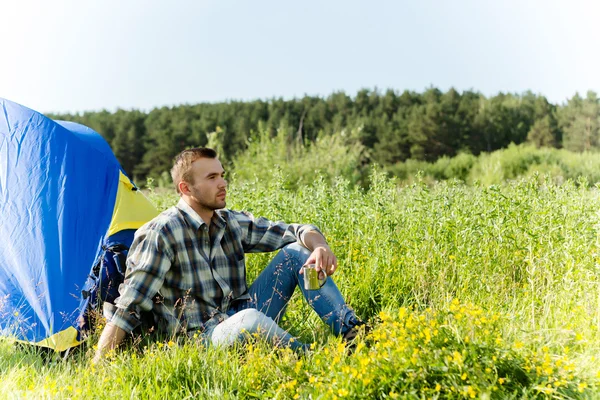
(174, 270)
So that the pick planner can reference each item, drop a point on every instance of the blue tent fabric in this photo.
(58, 184)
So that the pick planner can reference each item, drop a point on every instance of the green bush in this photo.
(329, 156)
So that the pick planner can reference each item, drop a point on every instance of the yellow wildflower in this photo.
(518, 345)
(471, 392)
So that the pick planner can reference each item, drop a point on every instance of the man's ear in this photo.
(184, 187)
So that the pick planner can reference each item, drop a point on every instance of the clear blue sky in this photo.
(74, 55)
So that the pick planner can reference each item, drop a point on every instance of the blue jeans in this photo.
(270, 294)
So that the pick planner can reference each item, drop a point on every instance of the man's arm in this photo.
(111, 337)
(261, 235)
(148, 261)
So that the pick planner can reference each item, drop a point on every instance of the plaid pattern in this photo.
(188, 274)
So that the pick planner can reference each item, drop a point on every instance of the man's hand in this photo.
(321, 255)
(324, 259)
(111, 337)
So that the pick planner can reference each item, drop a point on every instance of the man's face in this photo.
(210, 187)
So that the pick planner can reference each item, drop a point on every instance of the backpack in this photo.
(107, 273)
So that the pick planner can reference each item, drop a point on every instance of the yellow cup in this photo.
(312, 281)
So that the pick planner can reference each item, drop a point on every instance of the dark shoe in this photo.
(350, 336)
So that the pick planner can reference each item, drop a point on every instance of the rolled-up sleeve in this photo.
(149, 260)
(262, 235)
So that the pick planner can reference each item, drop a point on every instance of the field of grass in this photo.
(488, 292)
(513, 162)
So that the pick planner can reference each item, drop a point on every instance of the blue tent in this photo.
(63, 194)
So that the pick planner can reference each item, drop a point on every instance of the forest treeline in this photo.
(392, 127)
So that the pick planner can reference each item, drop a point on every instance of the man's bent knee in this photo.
(250, 319)
(238, 326)
(297, 252)
(301, 250)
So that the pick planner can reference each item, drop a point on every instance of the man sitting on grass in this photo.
(188, 267)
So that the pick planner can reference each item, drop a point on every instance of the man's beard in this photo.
(212, 205)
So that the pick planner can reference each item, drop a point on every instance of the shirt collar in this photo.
(196, 220)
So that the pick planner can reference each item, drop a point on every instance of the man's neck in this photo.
(205, 214)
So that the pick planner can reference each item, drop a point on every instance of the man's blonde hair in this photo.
(182, 167)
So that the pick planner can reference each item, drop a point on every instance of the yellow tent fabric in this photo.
(132, 208)
(60, 341)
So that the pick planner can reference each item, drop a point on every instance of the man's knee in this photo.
(238, 327)
(251, 320)
(296, 251)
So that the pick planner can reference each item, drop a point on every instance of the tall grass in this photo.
(481, 291)
(514, 162)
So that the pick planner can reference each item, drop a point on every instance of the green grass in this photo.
(473, 292)
(513, 162)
